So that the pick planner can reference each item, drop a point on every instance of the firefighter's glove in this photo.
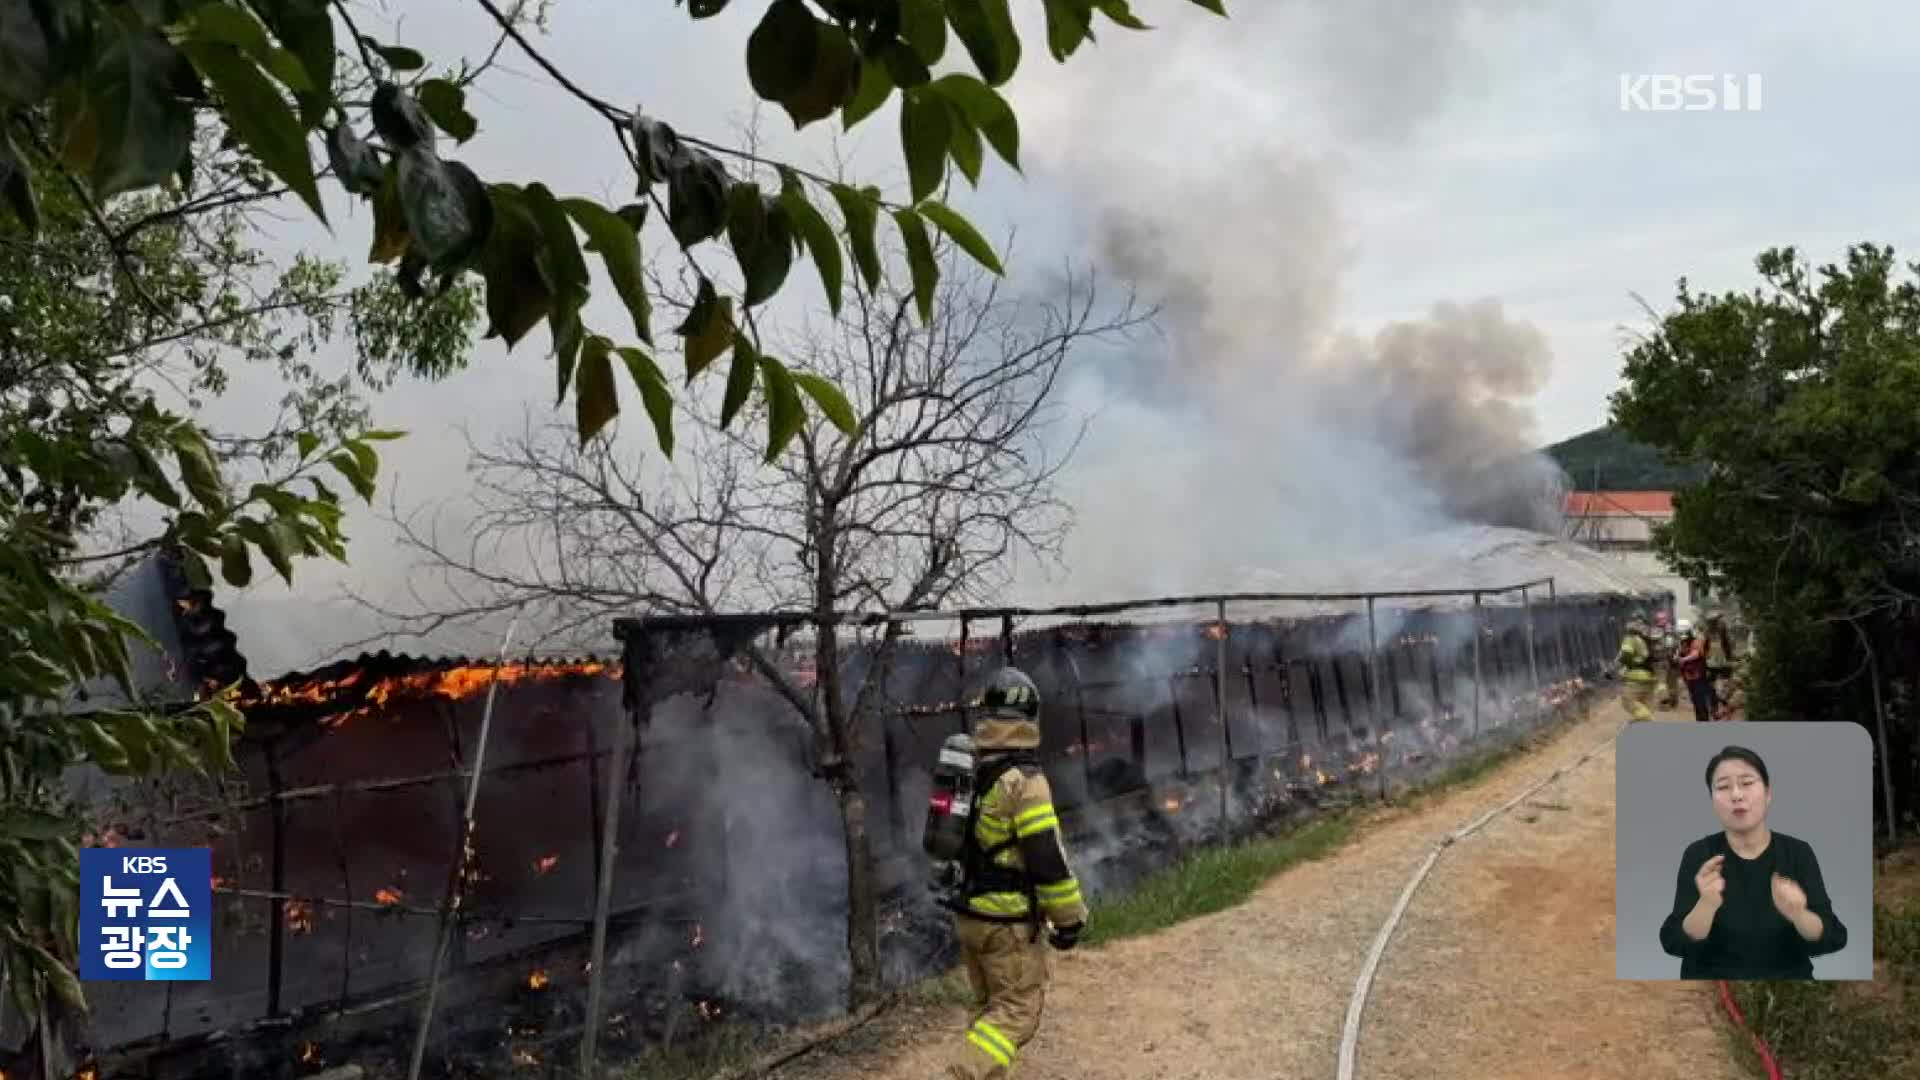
(1065, 937)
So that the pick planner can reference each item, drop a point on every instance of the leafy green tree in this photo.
(101, 463)
(111, 91)
(1803, 396)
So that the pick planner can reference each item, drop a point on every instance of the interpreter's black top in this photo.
(1749, 938)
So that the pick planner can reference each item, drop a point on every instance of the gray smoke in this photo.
(1261, 432)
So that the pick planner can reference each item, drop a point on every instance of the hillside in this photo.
(1619, 463)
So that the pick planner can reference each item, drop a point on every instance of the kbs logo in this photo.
(146, 914)
(1689, 93)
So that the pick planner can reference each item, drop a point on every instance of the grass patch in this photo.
(721, 1046)
(1212, 880)
(1843, 1031)
(1215, 879)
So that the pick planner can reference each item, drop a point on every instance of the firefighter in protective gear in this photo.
(1636, 670)
(1017, 883)
(1665, 646)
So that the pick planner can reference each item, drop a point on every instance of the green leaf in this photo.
(16, 184)
(924, 26)
(398, 57)
(833, 404)
(26, 56)
(307, 29)
(307, 441)
(596, 400)
(746, 362)
(617, 242)
(382, 435)
(926, 272)
(1069, 24)
(903, 65)
(819, 238)
(259, 116)
(235, 567)
(654, 392)
(194, 567)
(784, 413)
(962, 233)
(22, 824)
(223, 24)
(1218, 7)
(448, 211)
(832, 79)
(273, 544)
(143, 129)
(762, 236)
(986, 29)
(861, 209)
(705, 9)
(925, 132)
(60, 979)
(963, 143)
(872, 92)
(446, 103)
(988, 111)
(696, 197)
(1119, 12)
(349, 466)
(354, 163)
(780, 51)
(567, 279)
(517, 293)
(708, 329)
(198, 469)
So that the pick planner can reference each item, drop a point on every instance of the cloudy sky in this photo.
(1429, 220)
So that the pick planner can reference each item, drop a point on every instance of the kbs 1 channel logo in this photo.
(146, 914)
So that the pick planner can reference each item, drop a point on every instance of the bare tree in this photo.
(950, 472)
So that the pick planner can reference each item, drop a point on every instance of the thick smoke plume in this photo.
(1262, 432)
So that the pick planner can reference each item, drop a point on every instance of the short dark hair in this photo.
(1738, 753)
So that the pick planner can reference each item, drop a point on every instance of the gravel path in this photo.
(1502, 966)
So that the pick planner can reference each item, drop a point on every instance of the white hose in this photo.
(1350, 1037)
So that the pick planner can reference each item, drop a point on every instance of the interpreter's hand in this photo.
(1789, 899)
(1712, 886)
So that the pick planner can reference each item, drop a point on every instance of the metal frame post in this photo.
(1220, 707)
(456, 890)
(1533, 665)
(1373, 696)
(1478, 633)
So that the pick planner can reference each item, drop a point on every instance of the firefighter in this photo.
(1636, 670)
(1663, 646)
(1017, 884)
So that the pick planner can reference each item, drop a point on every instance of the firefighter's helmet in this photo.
(1010, 690)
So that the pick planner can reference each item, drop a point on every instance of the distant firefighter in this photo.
(1636, 669)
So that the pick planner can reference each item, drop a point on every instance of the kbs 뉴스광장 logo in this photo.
(146, 914)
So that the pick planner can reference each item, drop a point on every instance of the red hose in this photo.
(1760, 1044)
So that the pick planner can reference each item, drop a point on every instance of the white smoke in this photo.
(1261, 432)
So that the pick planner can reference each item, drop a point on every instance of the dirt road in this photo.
(1502, 966)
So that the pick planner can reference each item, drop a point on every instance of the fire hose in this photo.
(1740, 1021)
(1350, 1037)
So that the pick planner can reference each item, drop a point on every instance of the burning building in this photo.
(337, 848)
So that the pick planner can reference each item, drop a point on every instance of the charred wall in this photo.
(729, 888)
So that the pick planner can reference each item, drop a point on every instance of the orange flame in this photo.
(1215, 629)
(1171, 804)
(389, 897)
(525, 1058)
(299, 916)
(710, 1011)
(450, 684)
(538, 980)
(673, 838)
(309, 1053)
(216, 882)
(545, 864)
(699, 935)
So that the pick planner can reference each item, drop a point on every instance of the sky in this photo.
(1433, 222)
